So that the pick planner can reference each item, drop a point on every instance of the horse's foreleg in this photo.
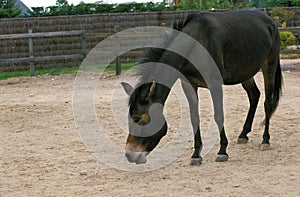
(192, 97)
(253, 95)
(216, 92)
(222, 155)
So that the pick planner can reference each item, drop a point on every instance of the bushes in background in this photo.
(7, 9)
(282, 14)
(286, 38)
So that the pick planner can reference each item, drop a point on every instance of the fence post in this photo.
(31, 53)
(118, 59)
(83, 46)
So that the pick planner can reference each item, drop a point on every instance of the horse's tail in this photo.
(277, 88)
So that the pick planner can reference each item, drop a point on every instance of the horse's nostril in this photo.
(128, 156)
(136, 118)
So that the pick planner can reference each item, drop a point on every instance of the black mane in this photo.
(154, 54)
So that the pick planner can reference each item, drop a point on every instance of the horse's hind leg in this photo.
(269, 88)
(253, 95)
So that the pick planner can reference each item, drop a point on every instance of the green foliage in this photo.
(212, 4)
(286, 38)
(215, 4)
(283, 3)
(63, 8)
(111, 68)
(7, 4)
(62, 3)
(45, 71)
(104, 8)
(37, 11)
(7, 9)
(283, 14)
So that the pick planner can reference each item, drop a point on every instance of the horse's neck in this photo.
(162, 92)
(165, 73)
(164, 77)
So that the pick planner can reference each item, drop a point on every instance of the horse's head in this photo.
(146, 121)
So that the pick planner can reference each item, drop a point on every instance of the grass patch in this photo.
(44, 71)
(111, 68)
(289, 56)
(124, 67)
(63, 70)
(6, 74)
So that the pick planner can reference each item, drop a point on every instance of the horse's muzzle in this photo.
(136, 157)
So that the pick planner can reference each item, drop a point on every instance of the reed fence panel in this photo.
(97, 27)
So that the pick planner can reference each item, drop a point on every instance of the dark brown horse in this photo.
(240, 43)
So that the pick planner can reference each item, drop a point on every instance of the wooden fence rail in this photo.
(291, 29)
(83, 35)
(32, 58)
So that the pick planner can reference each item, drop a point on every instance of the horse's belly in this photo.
(235, 75)
(239, 67)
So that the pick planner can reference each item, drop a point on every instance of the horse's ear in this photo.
(127, 87)
(152, 88)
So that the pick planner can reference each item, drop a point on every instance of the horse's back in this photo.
(238, 41)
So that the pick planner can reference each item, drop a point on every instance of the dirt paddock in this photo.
(43, 155)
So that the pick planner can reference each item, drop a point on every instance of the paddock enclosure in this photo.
(43, 155)
(50, 47)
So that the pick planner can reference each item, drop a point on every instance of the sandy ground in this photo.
(43, 155)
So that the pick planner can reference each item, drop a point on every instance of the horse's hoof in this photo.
(196, 161)
(221, 158)
(264, 147)
(242, 140)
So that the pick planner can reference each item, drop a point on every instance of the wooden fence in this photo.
(97, 27)
(31, 59)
